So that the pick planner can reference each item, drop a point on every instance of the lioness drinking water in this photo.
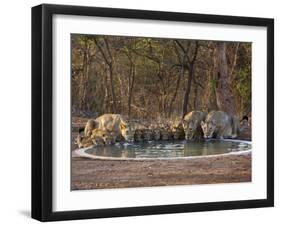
(219, 124)
(191, 125)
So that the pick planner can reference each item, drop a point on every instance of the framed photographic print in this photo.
(146, 112)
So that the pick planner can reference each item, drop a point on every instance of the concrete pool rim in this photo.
(82, 153)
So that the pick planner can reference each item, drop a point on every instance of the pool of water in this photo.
(169, 149)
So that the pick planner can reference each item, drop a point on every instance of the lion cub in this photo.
(220, 125)
(138, 135)
(113, 123)
(103, 137)
(84, 142)
(156, 134)
(147, 134)
(177, 130)
(143, 135)
(191, 125)
(154, 131)
(97, 137)
(166, 133)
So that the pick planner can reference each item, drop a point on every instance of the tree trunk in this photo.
(224, 97)
(106, 96)
(212, 97)
(84, 80)
(195, 101)
(211, 102)
(191, 63)
(131, 88)
(187, 92)
(234, 59)
(109, 62)
(174, 96)
(114, 108)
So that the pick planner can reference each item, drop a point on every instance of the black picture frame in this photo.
(42, 111)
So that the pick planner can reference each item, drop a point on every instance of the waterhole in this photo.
(168, 149)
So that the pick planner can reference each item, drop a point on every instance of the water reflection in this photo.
(169, 149)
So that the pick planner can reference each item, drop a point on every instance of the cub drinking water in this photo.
(219, 124)
(177, 130)
(97, 137)
(138, 135)
(113, 123)
(84, 142)
(101, 137)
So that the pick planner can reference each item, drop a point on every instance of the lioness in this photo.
(191, 125)
(220, 125)
(89, 127)
(113, 123)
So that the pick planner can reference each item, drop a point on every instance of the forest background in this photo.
(154, 78)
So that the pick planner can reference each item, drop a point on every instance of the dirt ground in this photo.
(98, 174)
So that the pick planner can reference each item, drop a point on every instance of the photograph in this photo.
(153, 111)
(140, 112)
